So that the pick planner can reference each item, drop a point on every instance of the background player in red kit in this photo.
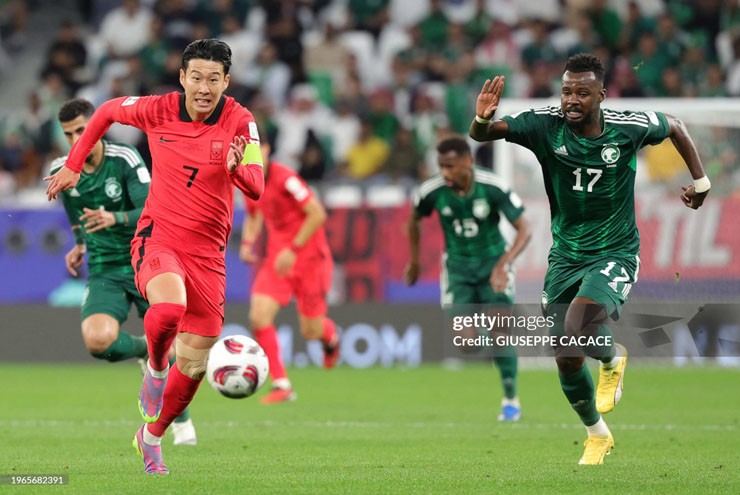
(298, 262)
(202, 144)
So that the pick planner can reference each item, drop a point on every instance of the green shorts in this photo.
(606, 281)
(112, 292)
(468, 282)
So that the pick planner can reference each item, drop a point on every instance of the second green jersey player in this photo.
(588, 160)
(103, 210)
(476, 265)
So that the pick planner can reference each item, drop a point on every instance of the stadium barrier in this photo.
(407, 335)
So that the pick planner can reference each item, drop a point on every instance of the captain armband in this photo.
(252, 154)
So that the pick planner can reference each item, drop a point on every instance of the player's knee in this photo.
(573, 325)
(96, 346)
(194, 369)
(98, 338)
(258, 321)
(165, 315)
(191, 360)
(312, 332)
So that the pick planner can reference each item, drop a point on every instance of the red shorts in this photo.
(309, 282)
(205, 282)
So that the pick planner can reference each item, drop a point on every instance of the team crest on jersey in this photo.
(113, 189)
(481, 209)
(446, 211)
(610, 153)
(217, 150)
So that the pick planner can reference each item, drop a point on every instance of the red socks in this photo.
(178, 393)
(330, 332)
(160, 324)
(268, 340)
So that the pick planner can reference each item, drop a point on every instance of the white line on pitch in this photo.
(522, 425)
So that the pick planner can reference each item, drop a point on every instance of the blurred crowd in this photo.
(360, 90)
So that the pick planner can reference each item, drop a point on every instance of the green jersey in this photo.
(470, 222)
(120, 185)
(590, 182)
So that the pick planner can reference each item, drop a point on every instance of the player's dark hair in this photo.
(585, 62)
(208, 49)
(74, 108)
(458, 144)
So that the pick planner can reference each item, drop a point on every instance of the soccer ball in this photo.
(237, 366)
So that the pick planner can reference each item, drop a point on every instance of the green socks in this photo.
(126, 346)
(506, 361)
(579, 390)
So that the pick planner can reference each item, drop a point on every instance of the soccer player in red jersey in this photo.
(203, 143)
(298, 262)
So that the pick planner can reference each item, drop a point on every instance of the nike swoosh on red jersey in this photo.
(163, 140)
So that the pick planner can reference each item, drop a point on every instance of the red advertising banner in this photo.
(371, 246)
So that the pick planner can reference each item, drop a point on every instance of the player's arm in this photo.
(500, 273)
(137, 188)
(251, 229)
(315, 218)
(693, 195)
(244, 165)
(484, 127)
(411, 272)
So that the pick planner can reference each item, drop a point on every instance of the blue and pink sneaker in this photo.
(152, 454)
(151, 397)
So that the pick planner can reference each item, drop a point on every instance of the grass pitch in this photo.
(385, 431)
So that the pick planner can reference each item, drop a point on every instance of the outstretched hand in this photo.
(61, 181)
(489, 97)
(499, 278)
(74, 258)
(691, 198)
(236, 153)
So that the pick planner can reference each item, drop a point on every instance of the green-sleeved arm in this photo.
(137, 189)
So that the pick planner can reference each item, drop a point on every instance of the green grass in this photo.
(385, 431)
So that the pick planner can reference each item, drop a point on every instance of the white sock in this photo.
(150, 439)
(599, 428)
(283, 383)
(510, 402)
(159, 375)
(614, 362)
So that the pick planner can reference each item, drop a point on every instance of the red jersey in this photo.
(190, 202)
(282, 207)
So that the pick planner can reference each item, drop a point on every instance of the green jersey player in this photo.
(588, 160)
(476, 265)
(103, 209)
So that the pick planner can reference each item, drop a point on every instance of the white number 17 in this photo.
(590, 171)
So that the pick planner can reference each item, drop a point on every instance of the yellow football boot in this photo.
(597, 447)
(611, 382)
